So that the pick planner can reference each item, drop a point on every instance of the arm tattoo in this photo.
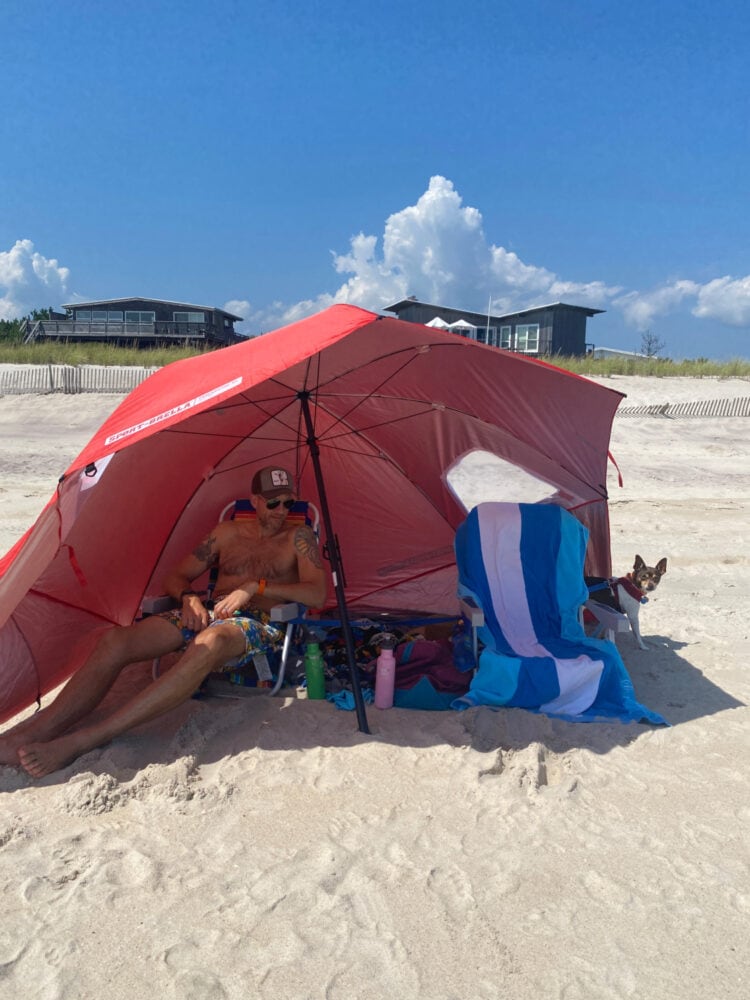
(207, 552)
(306, 544)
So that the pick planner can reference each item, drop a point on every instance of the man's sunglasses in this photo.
(273, 504)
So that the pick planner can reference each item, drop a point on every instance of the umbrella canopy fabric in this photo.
(394, 406)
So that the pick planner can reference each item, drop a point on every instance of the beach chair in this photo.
(522, 564)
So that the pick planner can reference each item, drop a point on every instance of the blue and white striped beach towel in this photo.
(523, 565)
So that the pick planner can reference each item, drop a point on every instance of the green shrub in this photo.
(697, 368)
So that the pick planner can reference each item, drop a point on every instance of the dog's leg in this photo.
(636, 630)
(632, 609)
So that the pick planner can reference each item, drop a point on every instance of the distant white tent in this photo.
(463, 328)
(438, 324)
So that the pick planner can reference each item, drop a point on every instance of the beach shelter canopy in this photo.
(394, 406)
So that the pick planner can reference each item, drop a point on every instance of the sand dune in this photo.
(263, 847)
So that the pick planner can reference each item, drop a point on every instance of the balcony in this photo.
(129, 334)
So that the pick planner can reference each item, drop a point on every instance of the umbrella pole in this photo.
(333, 556)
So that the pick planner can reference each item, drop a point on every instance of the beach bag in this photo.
(427, 676)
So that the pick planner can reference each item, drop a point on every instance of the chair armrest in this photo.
(286, 612)
(153, 605)
(471, 612)
(608, 617)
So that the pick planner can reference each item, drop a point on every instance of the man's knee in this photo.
(124, 644)
(115, 639)
(218, 644)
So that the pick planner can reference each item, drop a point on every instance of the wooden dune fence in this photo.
(738, 407)
(21, 379)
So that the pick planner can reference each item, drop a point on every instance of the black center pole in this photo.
(333, 556)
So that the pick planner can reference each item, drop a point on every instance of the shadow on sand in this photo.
(210, 729)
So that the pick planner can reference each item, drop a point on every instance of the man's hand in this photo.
(194, 615)
(236, 600)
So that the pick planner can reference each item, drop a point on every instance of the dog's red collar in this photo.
(630, 588)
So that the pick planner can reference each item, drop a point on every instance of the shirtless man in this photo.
(261, 562)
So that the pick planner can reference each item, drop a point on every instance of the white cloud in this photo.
(725, 299)
(640, 308)
(436, 250)
(29, 280)
(238, 307)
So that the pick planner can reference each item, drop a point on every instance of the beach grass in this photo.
(107, 354)
(91, 354)
(659, 367)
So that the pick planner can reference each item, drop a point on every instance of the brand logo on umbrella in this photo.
(173, 411)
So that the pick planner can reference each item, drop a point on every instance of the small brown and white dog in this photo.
(628, 593)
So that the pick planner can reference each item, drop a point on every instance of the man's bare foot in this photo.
(39, 727)
(39, 759)
(10, 744)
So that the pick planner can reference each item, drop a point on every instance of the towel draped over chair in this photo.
(523, 565)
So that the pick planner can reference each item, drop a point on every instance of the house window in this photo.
(486, 335)
(527, 338)
(188, 317)
(99, 315)
(133, 316)
(505, 337)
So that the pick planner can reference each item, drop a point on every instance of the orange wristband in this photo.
(261, 588)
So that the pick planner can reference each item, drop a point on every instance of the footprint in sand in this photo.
(191, 982)
(534, 768)
(198, 985)
(454, 890)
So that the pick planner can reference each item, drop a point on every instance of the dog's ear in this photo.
(661, 566)
(638, 564)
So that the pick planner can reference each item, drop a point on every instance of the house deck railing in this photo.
(161, 331)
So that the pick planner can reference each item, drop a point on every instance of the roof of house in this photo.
(145, 298)
(403, 303)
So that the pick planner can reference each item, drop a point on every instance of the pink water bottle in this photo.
(385, 672)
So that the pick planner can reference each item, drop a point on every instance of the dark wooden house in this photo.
(139, 322)
(543, 330)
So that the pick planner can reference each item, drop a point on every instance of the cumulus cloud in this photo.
(725, 299)
(641, 308)
(437, 250)
(238, 307)
(28, 280)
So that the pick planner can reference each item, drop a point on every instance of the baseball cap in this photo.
(271, 481)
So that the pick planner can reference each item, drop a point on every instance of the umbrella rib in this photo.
(377, 450)
(368, 395)
(416, 576)
(464, 413)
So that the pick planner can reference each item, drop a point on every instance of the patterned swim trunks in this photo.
(260, 635)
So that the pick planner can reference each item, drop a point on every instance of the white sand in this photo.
(264, 848)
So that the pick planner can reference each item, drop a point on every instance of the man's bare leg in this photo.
(210, 649)
(87, 687)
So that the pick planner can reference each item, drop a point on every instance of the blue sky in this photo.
(276, 157)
